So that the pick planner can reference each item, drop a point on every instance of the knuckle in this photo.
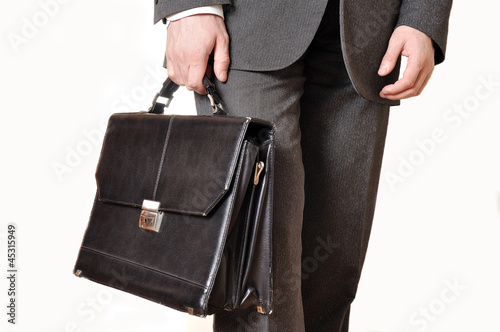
(223, 38)
(172, 75)
(171, 72)
(224, 60)
(407, 85)
(412, 93)
(193, 85)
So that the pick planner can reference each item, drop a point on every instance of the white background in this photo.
(436, 225)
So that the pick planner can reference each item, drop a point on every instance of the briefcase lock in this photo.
(151, 217)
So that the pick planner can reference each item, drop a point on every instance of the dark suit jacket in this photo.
(271, 35)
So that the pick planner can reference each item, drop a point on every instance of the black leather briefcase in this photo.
(183, 210)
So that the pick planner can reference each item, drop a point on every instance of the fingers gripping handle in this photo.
(163, 98)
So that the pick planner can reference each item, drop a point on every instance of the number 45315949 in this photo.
(11, 246)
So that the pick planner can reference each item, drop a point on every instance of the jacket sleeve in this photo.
(431, 17)
(164, 8)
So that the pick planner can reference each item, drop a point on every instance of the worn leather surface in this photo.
(213, 250)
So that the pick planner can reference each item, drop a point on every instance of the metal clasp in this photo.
(216, 105)
(161, 100)
(259, 167)
(151, 217)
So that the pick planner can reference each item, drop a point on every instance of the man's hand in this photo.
(190, 41)
(417, 46)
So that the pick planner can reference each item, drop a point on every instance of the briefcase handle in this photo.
(163, 98)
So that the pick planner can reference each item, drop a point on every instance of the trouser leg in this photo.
(343, 137)
(273, 96)
(342, 141)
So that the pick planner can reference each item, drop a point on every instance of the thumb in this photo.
(391, 56)
(221, 58)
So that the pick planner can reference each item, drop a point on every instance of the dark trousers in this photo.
(329, 146)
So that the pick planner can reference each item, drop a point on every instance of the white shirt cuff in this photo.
(214, 9)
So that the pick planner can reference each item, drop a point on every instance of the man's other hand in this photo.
(190, 41)
(418, 47)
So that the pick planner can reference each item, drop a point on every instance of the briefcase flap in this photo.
(186, 163)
